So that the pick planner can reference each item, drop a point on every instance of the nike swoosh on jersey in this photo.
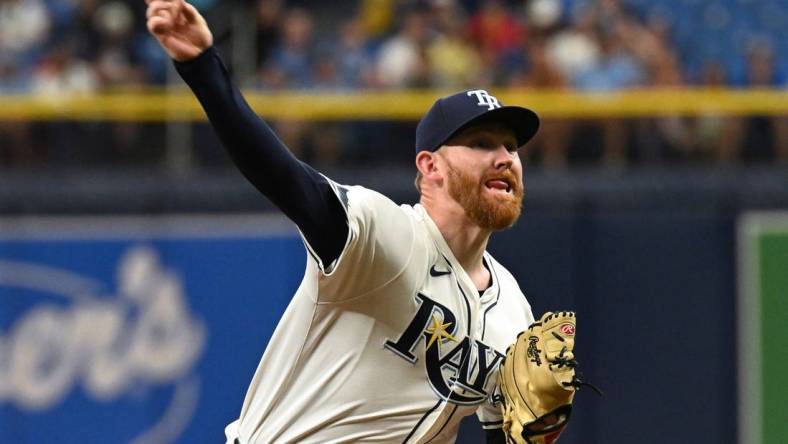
(436, 273)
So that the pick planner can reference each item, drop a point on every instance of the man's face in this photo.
(484, 174)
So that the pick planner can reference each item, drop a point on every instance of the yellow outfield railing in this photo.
(158, 105)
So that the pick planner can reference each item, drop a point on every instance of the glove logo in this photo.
(533, 352)
(567, 329)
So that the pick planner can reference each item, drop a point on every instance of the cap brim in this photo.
(523, 121)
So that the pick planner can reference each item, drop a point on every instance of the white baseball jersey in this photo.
(390, 343)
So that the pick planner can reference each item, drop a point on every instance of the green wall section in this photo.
(773, 280)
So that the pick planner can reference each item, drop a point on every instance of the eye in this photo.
(482, 142)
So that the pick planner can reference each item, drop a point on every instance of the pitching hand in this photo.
(179, 28)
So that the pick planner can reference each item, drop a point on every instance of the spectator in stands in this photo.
(575, 48)
(401, 60)
(549, 148)
(538, 72)
(294, 64)
(117, 62)
(651, 51)
(453, 59)
(63, 71)
(764, 138)
(354, 57)
(497, 34)
(716, 137)
(82, 30)
(269, 18)
(24, 29)
(664, 137)
(291, 62)
(617, 68)
(49, 46)
(376, 17)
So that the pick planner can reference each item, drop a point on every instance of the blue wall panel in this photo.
(654, 289)
(143, 339)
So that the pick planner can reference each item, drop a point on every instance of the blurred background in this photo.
(141, 276)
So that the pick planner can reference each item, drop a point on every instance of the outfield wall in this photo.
(649, 262)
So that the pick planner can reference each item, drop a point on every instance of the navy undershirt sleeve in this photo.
(303, 194)
(495, 436)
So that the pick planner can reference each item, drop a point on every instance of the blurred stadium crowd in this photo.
(83, 46)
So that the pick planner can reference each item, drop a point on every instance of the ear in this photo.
(427, 164)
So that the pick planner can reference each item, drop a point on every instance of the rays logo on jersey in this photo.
(458, 369)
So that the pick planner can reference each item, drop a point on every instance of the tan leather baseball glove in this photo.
(538, 380)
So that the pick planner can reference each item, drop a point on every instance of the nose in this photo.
(504, 159)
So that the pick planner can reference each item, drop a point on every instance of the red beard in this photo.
(488, 212)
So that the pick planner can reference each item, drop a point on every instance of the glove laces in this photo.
(561, 361)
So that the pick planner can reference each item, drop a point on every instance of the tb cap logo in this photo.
(485, 99)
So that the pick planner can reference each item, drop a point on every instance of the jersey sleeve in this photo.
(377, 249)
(490, 416)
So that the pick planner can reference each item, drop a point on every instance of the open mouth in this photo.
(499, 185)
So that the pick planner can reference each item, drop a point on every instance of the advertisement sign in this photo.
(136, 330)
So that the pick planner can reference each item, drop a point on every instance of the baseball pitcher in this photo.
(402, 320)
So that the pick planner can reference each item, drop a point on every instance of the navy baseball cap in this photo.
(450, 115)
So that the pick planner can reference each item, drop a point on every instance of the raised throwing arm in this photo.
(303, 194)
